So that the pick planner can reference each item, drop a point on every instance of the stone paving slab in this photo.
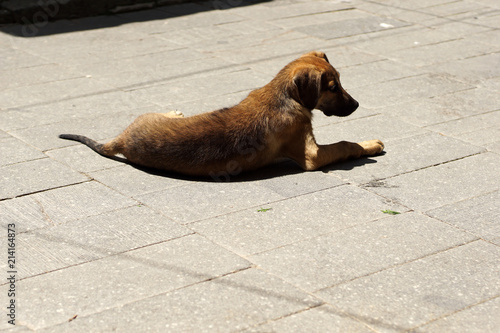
(89, 239)
(34, 176)
(103, 246)
(408, 154)
(82, 159)
(161, 268)
(324, 318)
(431, 287)
(474, 319)
(60, 205)
(250, 231)
(478, 215)
(443, 184)
(197, 201)
(133, 182)
(15, 151)
(444, 108)
(109, 101)
(246, 298)
(340, 256)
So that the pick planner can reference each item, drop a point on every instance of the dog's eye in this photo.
(334, 88)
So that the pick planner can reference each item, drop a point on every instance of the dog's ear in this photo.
(318, 54)
(306, 87)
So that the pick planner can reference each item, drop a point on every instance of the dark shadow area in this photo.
(32, 18)
(270, 171)
(277, 170)
(351, 164)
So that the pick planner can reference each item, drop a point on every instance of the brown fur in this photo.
(273, 122)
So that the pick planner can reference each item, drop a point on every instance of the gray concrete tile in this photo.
(456, 8)
(70, 108)
(457, 29)
(119, 50)
(157, 74)
(477, 319)
(443, 184)
(221, 84)
(364, 249)
(271, 48)
(50, 92)
(5, 136)
(93, 238)
(25, 77)
(193, 37)
(375, 72)
(381, 9)
(247, 27)
(314, 19)
(250, 231)
(478, 215)
(407, 90)
(401, 39)
(487, 18)
(114, 281)
(61, 205)
(141, 63)
(222, 42)
(482, 137)
(14, 151)
(444, 52)
(445, 107)
(494, 147)
(25, 212)
(412, 4)
(107, 126)
(324, 318)
(202, 200)
(402, 155)
(351, 27)
(289, 180)
(70, 203)
(279, 9)
(13, 58)
(380, 126)
(232, 302)
(413, 294)
(478, 130)
(345, 56)
(473, 69)
(33, 176)
(134, 182)
(82, 159)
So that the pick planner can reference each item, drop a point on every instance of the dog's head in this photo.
(316, 85)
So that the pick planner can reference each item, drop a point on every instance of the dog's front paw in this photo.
(372, 147)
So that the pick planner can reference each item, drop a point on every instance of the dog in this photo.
(271, 123)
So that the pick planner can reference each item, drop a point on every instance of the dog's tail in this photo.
(92, 144)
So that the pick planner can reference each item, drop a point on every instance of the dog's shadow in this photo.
(351, 164)
(281, 169)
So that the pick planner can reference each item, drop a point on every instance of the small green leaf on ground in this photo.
(391, 212)
(263, 210)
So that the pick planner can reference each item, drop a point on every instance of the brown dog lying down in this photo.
(272, 123)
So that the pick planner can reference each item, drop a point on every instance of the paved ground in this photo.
(103, 246)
